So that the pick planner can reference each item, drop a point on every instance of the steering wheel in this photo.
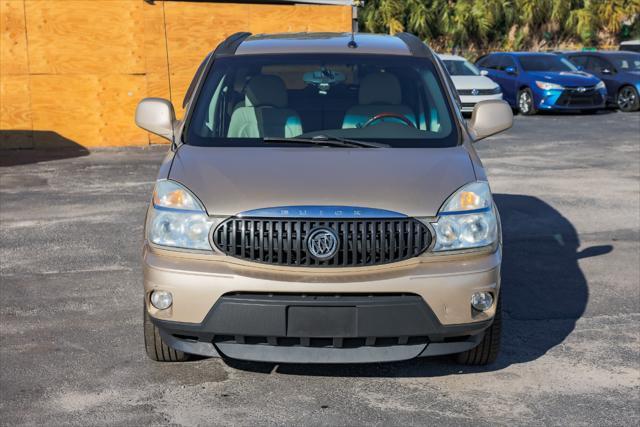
(381, 116)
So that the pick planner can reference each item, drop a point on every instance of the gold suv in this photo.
(322, 202)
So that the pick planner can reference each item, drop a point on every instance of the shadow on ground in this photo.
(22, 147)
(544, 292)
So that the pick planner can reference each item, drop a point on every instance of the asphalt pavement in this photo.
(568, 189)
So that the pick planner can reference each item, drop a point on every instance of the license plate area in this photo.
(322, 322)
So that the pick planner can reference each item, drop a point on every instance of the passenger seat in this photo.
(265, 112)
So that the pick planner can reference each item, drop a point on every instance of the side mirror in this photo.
(484, 73)
(489, 118)
(156, 115)
(510, 70)
(606, 71)
(580, 67)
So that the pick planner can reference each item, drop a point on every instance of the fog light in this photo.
(161, 299)
(482, 301)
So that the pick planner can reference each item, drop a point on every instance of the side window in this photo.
(597, 64)
(490, 61)
(580, 61)
(505, 62)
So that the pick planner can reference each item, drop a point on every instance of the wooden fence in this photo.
(73, 71)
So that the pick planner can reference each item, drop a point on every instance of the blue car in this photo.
(543, 81)
(620, 72)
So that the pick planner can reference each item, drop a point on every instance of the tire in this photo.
(487, 351)
(156, 348)
(525, 102)
(627, 99)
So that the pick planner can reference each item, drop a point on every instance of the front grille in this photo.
(572, 97)
(361, 242)
(478, 92)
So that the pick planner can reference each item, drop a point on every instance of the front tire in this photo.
(525, 102)
(627, 99)
(156, 348)
(487, 351)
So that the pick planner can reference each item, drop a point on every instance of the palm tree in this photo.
(508, 24)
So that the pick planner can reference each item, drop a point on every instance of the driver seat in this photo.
(265, 112)
(379, 93)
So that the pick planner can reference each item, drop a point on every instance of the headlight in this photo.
(177, 218)
(600, 85)
(467, 220)
(548, 86)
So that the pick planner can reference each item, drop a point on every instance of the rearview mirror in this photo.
(157, 116)
(489, 118)
(484, 72)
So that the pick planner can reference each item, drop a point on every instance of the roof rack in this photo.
(415, 45)
(230, 45)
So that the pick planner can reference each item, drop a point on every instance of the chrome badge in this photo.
(475, 92)
(322, 243)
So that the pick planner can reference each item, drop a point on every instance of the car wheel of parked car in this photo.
(487, 351)
(627, 99)
(156, 348)
(525, 102)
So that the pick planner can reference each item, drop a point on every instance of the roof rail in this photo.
(416, 46)
(229, 46)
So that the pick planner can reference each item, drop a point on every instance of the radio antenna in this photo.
(355, 4)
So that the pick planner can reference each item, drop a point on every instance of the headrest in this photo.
(380, 88)
(266, 90)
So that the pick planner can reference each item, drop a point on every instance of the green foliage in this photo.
(480, 25)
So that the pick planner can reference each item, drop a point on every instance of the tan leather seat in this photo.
(265, 112)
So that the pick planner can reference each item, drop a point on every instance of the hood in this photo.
(473, 82)
(415, 182)
(565, 78)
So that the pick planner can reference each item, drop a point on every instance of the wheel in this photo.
(525, 102)
(627, 99)
(156, 348)
(487, 351)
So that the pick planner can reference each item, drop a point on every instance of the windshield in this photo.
(394, 100)
(545, 63)
(626, 61)
(456, 67)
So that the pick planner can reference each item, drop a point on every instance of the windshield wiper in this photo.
(331, 141)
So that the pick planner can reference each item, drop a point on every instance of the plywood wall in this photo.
(72, 71)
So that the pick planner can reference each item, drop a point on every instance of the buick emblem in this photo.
(474, 92)
(322, 243)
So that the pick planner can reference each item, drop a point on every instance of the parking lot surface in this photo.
(568, 189)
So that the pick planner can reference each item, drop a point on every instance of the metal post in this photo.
(354, 14)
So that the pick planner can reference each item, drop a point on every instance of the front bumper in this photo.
(570, 100)
(223, 306)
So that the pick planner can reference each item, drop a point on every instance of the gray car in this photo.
(322, 202)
